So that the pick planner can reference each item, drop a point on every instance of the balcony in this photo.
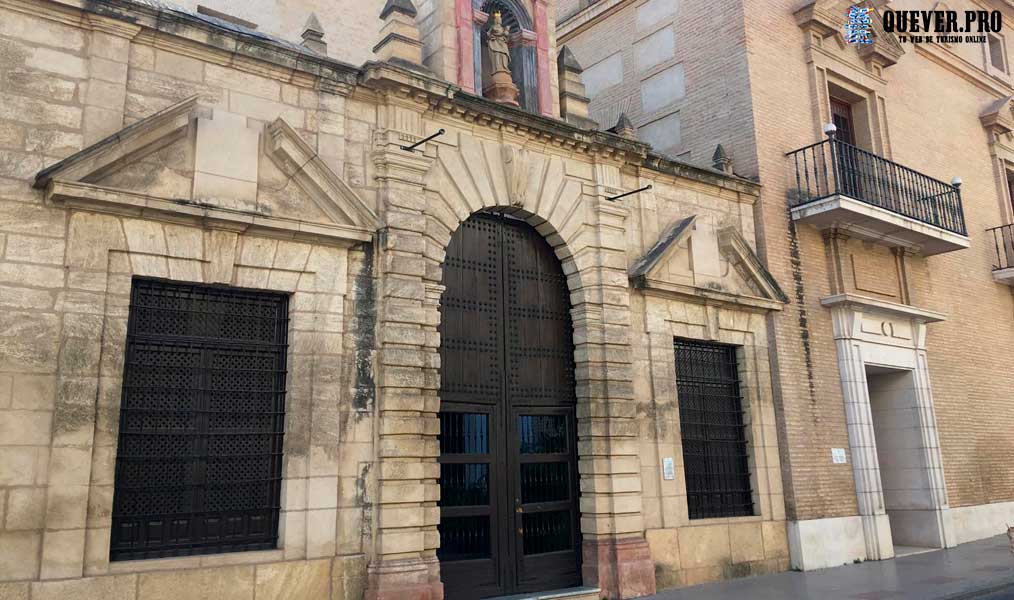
(1003, 244)
(841, 186)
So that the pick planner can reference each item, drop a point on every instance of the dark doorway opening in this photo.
(509, 519)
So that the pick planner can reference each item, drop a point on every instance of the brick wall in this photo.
(750, 87)
(932, 126)
(716, 108)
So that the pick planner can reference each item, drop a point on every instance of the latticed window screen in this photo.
(198, 469)
(711, 424)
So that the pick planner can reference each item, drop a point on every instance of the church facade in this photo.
(276, 325)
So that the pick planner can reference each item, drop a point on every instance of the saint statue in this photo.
(499, 53)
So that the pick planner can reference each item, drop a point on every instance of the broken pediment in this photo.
(196, 162)
(998, 117)
(695, 259)
(827, 18)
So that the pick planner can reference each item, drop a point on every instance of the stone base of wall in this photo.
(340, 578)
(619, 568)
(409, 579)
(970, 523)
(821, 543)
(714, 551)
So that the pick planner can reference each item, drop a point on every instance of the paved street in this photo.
(980, 570)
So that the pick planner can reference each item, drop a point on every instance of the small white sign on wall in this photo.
(838, 456)
(668, 468)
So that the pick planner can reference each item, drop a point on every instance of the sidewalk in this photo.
(963, 572)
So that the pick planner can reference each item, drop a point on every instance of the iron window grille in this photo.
(198, 465)
(715, 457)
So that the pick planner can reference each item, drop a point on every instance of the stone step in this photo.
(575, 593)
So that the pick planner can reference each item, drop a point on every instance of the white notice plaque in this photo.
(668, 469)
(838, 456)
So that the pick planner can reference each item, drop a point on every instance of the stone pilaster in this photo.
(616, 555)
(865, 467)
(105, 93)
(404, 562)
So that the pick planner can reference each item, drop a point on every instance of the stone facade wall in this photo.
(250, 166)
(350, 26)
(685, 551)
(66, 280)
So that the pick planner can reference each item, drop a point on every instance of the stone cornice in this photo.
(448, 99)
(124, 202)
(700, 295)
(272, 57)
(964, 69)
(865, 304)
(827, 17)
(150, 24)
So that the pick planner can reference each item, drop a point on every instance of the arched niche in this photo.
(524, 70)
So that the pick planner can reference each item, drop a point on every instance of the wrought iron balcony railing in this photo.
(834, 167)
(1003, 244)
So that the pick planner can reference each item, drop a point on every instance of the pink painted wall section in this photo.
(466, 62)
(542, 57)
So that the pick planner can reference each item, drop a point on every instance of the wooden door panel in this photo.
(471, 320)
(539, 335)
(508, 468)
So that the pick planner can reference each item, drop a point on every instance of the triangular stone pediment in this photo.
(200, 162)
(695, 259)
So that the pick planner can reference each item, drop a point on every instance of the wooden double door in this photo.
(509, 520)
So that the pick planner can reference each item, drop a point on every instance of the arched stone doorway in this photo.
(509, 518)
(428, 199)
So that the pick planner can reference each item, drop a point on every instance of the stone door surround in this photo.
(871, 332)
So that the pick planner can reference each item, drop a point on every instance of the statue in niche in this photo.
(499, 51)
(501, 86)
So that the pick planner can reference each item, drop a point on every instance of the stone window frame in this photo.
(987, 58)
(1006, 166)
(873, 135)
(748, 332)
(829, 68)
(1001, 147)
(311, 473)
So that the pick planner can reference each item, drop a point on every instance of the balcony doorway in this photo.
(841, 116)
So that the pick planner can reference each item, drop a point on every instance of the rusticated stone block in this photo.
(118, 587)
(14, 591)
(298, 579)
(221, 583)
(19, 552)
